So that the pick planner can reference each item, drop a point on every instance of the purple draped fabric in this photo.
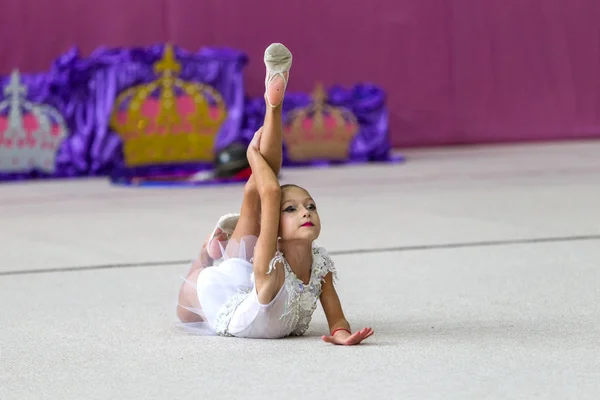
(81, 93)
(123, 68)
(367, 102)
(60, 98)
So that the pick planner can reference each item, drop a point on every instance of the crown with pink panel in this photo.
(319, 131)
(30, 133)
(168, 120)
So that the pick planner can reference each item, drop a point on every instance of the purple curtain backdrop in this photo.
(460, 71)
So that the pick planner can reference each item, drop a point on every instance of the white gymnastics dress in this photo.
(229, 303)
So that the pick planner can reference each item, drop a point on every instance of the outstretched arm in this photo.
(268, 283)
(339, 328)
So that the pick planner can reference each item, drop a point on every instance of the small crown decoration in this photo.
(168, 120)
(319, 131)
(30, 133)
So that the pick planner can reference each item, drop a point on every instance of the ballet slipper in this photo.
(278, 60)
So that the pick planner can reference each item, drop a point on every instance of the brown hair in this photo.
(289, 185)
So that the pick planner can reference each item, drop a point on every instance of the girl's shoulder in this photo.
(322, 262)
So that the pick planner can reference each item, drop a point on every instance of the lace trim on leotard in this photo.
(226, 312)
(277, 259)
(323, 264)
(302, 299)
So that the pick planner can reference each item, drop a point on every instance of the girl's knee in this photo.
(188, 294)
(187, 316)
(188, 299)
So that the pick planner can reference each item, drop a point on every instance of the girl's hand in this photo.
(342, 337)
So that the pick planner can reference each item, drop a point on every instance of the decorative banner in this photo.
(319, 131)
(160, 115)
(30, 133)
(165, 111)
(41, 120)
(334, 127)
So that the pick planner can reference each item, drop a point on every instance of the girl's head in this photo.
(299, 219)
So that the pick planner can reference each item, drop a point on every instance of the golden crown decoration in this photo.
(319, 131)
(168, 120)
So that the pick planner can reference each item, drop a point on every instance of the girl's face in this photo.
(299, 217)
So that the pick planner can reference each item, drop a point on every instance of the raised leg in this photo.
(278, 61)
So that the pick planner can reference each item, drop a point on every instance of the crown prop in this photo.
(168, 120)
(319, 131)
(30, 133)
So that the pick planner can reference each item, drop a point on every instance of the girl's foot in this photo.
(278, 60)
(222, 232)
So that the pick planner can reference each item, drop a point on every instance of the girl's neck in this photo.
(298, 255)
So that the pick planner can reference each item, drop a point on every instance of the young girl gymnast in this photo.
(259, 274)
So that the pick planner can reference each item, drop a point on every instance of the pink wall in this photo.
(457, 71)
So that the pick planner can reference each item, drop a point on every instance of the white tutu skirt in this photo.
(228, 301)
(217, 284)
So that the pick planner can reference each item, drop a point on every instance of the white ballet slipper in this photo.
(278, 60)
(226, 224)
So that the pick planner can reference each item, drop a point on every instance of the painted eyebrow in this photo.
(287, 201)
